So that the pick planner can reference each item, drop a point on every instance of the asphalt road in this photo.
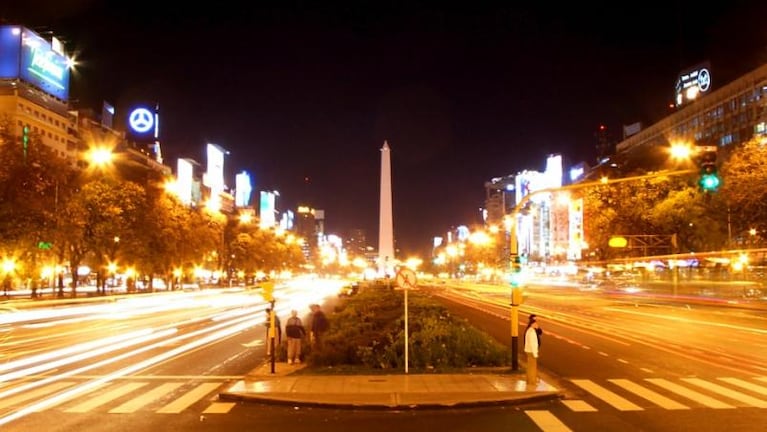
(626, 365)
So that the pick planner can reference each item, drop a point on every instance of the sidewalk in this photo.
(384, 391)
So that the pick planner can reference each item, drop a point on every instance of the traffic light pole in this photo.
(516, 296)
(272, 334)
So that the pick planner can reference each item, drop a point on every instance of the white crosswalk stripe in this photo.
(102, 399)
(746, 385)
(611, 398)
(715, 393)
(732, 394)
(690, 394)
(188, 398)
(168, 397)
(135, 404)
(648, 394)
(578, 405)
(547, 421)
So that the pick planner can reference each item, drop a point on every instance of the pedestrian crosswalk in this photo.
(170, 397)
(644, 395)
(175, 396)
(670, 394)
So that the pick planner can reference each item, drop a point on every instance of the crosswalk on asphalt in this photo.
(678, 394)
(124, 397)
(176, 396)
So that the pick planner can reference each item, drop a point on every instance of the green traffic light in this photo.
(709, 182)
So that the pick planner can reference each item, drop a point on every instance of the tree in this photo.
(744, 187)
(33, 182)
(647, 207)
(693, 217)
(115, 212)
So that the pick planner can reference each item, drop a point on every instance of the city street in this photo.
(624, 365)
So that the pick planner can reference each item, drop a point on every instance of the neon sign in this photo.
(141, 120)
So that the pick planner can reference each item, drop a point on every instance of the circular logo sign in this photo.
(141, 120)
(704, 80)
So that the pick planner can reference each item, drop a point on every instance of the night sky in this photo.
(303, 94)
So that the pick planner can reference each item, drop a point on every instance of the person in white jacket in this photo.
(531, 349)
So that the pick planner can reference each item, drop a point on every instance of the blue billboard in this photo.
(10, 50)
(43, 67)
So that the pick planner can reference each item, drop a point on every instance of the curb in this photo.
(292, 399)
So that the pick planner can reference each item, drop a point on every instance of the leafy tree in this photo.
(744, 187)
(115, 211)
(653, 206)
(256, 249)
(33, 180)
(693, 217)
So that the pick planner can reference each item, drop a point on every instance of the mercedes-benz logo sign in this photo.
(704, 80)
(141, 120)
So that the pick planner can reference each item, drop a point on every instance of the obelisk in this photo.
(385, 220)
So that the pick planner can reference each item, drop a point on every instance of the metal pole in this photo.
(515, 295)
(272, 334)
(407, 345)
(514, 332)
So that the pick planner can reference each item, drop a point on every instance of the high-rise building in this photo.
(724, 117)
(34, 90)
(355, 242)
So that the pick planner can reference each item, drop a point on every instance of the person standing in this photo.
(531, 349)
(294, 330)
(319, 325)
(538, 330)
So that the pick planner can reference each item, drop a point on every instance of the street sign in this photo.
(406, 278)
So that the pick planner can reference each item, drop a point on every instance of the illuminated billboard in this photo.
(26, 56)
(532, 181)
(10, 51)
(214, 175)
(184, 180)
(42, 67)
(692, 83)
(287, 220)
(242, 189)
(266, 209)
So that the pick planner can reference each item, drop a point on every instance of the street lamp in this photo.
(680, 151)
(99, 157)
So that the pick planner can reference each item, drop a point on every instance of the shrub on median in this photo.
(367, 330)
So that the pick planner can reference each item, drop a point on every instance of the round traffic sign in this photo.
(406, 278)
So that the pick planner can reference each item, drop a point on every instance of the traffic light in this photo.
(25, 135)
(267, 290)
(709, 180)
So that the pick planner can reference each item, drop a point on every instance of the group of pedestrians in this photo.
(295, 332)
